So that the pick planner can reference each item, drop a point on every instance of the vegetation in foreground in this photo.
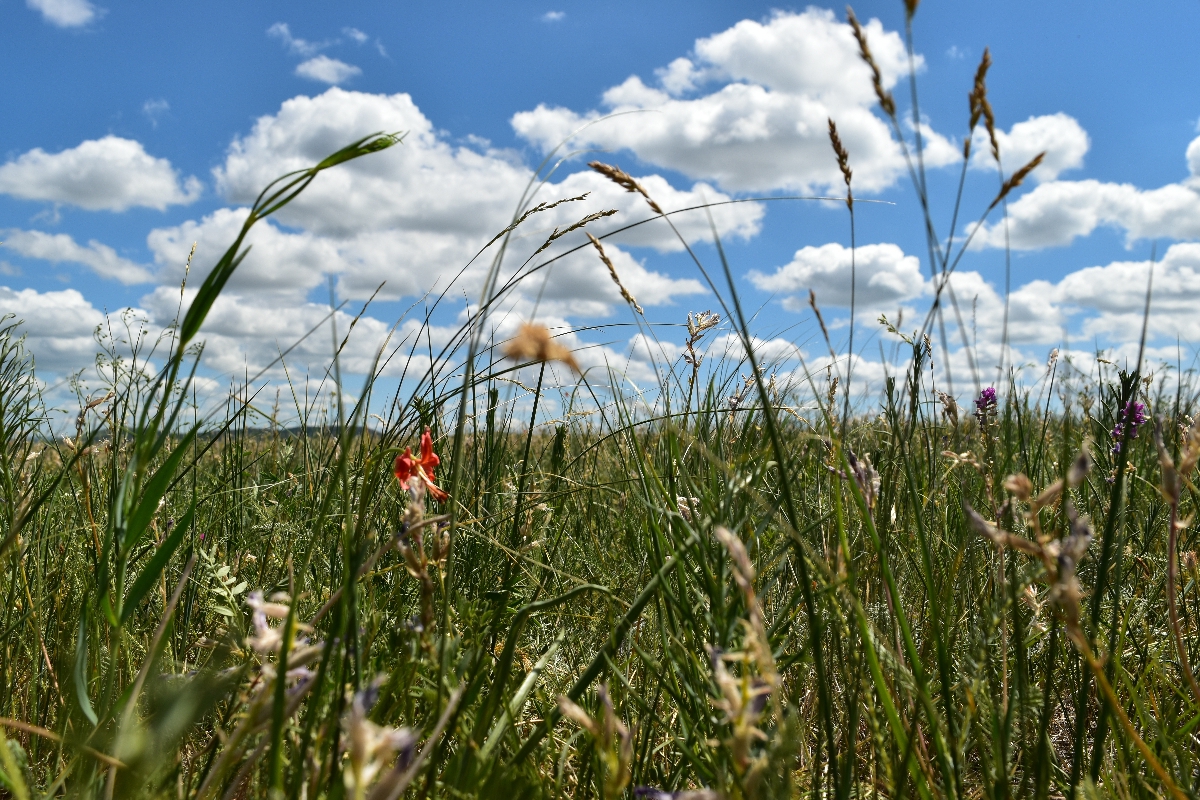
(729, 595)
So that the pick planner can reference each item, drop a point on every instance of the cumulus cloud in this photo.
(155, 110)
(280, 263)
(1100, 303)
(415, 214)
(301, 47)
(61, 248)
(764, 124)
(554, 16)
(109, 174)
(1057, 212)
(327, 70)
(59, 327)
(1118, 292)
(248, 332)
(1059, 136)
(66, 13)
(580, 286)
(884, 276)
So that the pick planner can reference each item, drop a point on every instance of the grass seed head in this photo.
(1018, 178)
(886, 102)
(612, 271)
(625, 181)
(980, 107)
(843, 159)
(534, 342)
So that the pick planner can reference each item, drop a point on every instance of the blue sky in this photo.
(133, 129)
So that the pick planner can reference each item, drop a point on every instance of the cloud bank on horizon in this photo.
(745, 112)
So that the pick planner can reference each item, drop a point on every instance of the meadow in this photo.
(495, 584)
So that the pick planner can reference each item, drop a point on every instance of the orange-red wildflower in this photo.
(408, 466)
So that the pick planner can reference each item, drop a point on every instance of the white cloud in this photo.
(66, 13)
(301, 47)
(769, 352)
(327, 70)
(286, 265)
(554, 16)
(765, 126)
(1193, 160)
(249, 331)
(1056, 212)
(1060, 136)
(60, 248)
(58, 326)
(355, 34)
(110, 174)
(1118, 292)
(884, 276)
(415, 214)
(155, 110)
(1104, 303)
(580, 286)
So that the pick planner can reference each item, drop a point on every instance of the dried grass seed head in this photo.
(980, 107)
(885, 98)
(557, 233)
(865, 476)
(843, 159)
(1019, 486)
(949, 408)
(700, 321)
(1171, 485)
(1018, 178)
(625, 181)
(612, 271)
(534, 342)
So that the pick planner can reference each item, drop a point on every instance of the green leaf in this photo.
(224, 612)
(156, 487)
(269, 201)
(81, 694)
(107, 609)
(11, 774)
(157, 563)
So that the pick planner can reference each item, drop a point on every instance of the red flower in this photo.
(407, 466)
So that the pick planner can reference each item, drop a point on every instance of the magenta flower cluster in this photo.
(1133, 415)
(985, 404)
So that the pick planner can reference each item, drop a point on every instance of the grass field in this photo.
(743, 588)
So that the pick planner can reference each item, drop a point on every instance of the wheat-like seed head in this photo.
(1017, 178)
(843, 159)
(885, 97)
(623, 179)
(612, 270)
(980, 107)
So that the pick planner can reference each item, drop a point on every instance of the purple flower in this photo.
(985, 405)
(1133, 415)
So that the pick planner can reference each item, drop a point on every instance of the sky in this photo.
(136, 129)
